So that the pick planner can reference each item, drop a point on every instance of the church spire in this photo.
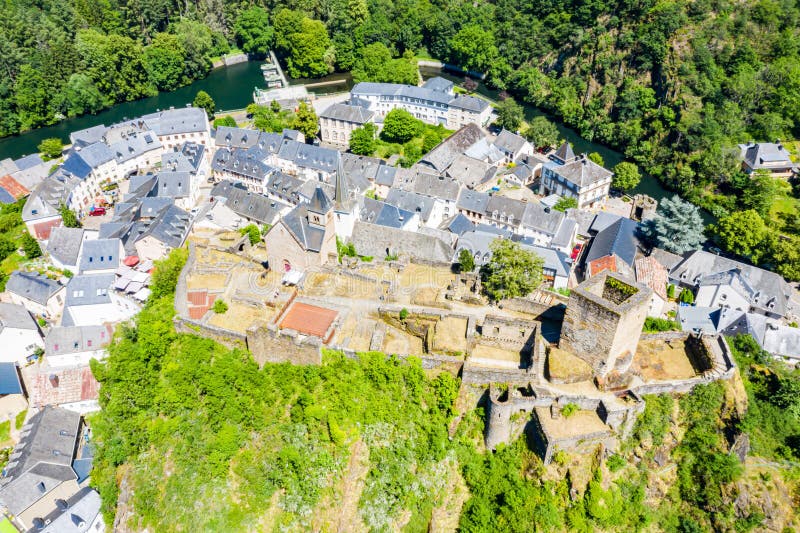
(342, 198)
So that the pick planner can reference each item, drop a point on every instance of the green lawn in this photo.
(5, 431)
(20, 420)
(7, 527)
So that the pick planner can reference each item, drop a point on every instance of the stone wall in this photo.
(268, 344)
(541, 304)
(226, 337)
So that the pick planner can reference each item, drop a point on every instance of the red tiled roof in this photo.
(196, 313)
(42, 229)
(197, 297)
(14, 188)
(309, 319)
(607, 262)
(74, 385)
(653, 274)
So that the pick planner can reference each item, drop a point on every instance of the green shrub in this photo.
(656, 325)
(569, 410)
(616, 462)
(220, 307)
(19, 421)
(403, 313)
(687, 296)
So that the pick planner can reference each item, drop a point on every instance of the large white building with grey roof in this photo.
(91, 300)
(435, 102)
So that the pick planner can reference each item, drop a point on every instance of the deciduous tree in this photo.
(203, 100)
(400, 126)
(626, 176)
(362, 140)
(511, 272)
(51, 148)
(542, 132)
(742, 233)
(306, 121)
(253, 31)
(509, 114)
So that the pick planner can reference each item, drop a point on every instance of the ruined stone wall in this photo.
(226, 337)
(268, 344)
(478, 375)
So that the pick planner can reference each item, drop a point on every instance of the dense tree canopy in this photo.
(626, 176)
(511, 271)
(362, 140)
(253, 31)
(400, 126)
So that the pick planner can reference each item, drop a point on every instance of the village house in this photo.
(100, 256)
(91, 300)
(77, 345)
(41, 212)
(339, 120)
(576, 177)
(651, 273)
(64, 246)
(45, 472)
(12, 393)
(613, 248)
(250, 207)
(19, 334)
(39, 294)
(771, 157)
(512, 146)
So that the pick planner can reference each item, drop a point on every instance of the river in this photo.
(232, 88)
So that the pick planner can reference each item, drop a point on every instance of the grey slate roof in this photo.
(361, 170)
(9, 379)
(583, 172)
(95, 154)
(174, 184)
(506, 207)
(563, 238)
(538, 218)
(434, 185)
(88, 136)
(287, 187)
(347, 113)
(310, 237)
(235, 137)
(411, 201)
(82, 509)
(309, 156)
(89, 289)
(344, 193)
(469, 103)
(28, 162)
(320, 203)
(401, 91)
(100, 254)
(772, 288)
(250, 163)
(247, 204)
(187, 159)
(437, 83)
(766, 155)
(667, 259)
(385, 175)
(15, 316)
(617, 239)
(67, 340)
(179, 120)
(64, 244)
(32, 485)
(383, 214)
(134, 145)
(471, 172)
(171, 227)
(564, 154)
(473, 201)
(458, 224)
(375, 240)
(603, 220)
(483, 150)
(45, 198)
(52, 428)
(443, 154)
(510, 142)
(32, 286)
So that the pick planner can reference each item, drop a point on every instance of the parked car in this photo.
(576, 252)
(97, 212)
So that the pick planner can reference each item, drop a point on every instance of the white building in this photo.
(38, 294)
(91, 300)
(19, 334)
(77, 345)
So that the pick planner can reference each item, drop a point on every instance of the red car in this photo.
(97, 212)
(576, 251)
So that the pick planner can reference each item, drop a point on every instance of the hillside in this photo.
(193, 436)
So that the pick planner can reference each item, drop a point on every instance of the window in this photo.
(89, 342)
(109, 257)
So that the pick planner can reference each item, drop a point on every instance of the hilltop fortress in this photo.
(568, 390)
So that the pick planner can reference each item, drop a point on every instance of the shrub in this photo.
(220, 307)
(569, 410)
(687, 296)
(616, 462)
(670, 291)
(656, 325)
(403, 313)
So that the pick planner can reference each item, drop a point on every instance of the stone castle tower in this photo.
(604, 320)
